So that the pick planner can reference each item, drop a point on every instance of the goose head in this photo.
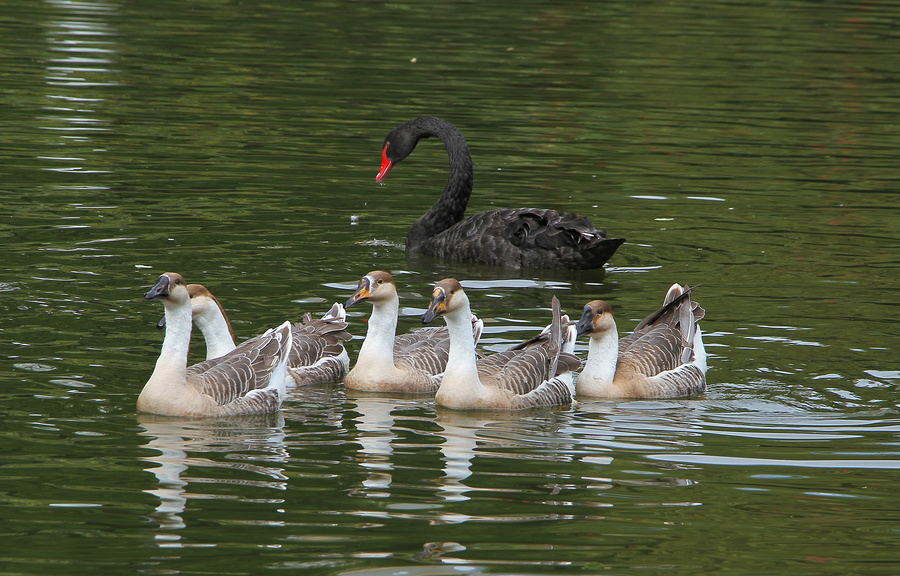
(447, 297)
(202, 300)
(597, 318)
(203, 303)
(170, 287)
(376, 287)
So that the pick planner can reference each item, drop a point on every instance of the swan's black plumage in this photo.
(514, 238)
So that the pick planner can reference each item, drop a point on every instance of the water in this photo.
(746, 148)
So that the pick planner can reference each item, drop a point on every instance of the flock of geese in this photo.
(663, 357)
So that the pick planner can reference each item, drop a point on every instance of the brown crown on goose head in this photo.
(375, 287)
(596, 317)
(513, 238)
(202, 297)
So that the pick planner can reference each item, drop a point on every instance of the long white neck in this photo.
(378, 346)
(462, 371)
(171, 366)
(600, 369)
(215, 331)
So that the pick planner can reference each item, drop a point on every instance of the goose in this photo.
(247, 380)
(409, 363)
(663, 358)
(317, 351)
(513, 238)
(531, 374)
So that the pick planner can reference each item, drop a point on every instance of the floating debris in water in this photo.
(34, 367)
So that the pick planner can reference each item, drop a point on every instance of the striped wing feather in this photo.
(425, 350)
(233, 377)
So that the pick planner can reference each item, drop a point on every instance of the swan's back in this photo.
(513, 238)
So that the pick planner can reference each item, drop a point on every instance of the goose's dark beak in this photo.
(161, 290)
(585, 324)
(437, 306)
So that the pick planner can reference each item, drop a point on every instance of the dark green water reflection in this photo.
(748, 148)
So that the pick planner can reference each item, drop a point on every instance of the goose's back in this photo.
(425, 350)
(239, 382)
(314, 339)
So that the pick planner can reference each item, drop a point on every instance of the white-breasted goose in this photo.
(528, 375)
(663, 358)
(247, 380)
(387, 362)
(317, 352)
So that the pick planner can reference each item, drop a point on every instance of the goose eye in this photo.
(380, 281)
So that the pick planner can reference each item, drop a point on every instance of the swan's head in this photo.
(398, 145)
(448, 296)
(170, 287)
(597, 318)
(376, 287)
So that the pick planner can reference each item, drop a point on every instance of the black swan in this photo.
(514, 238)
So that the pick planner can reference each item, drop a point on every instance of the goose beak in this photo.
(386, 166)
(161, 290)
(161, 324)
(585, 324)
(362, 293)
(437, 307)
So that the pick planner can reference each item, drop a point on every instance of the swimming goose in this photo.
(514, 238)
(317, 352)
(387, 362)
(247, 380)
(528, 375)
(663, 358)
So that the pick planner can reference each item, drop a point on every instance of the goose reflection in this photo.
(375, 424)
(251, 444)
(460, 433)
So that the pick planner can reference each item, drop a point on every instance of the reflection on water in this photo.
(187, 449)
(747, 148)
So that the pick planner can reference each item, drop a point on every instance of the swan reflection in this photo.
(250, 444)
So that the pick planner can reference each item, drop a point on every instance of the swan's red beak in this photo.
(386, 165)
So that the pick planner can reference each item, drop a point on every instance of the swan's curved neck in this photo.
(600, 369)
(378, 347)
(451, 206)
